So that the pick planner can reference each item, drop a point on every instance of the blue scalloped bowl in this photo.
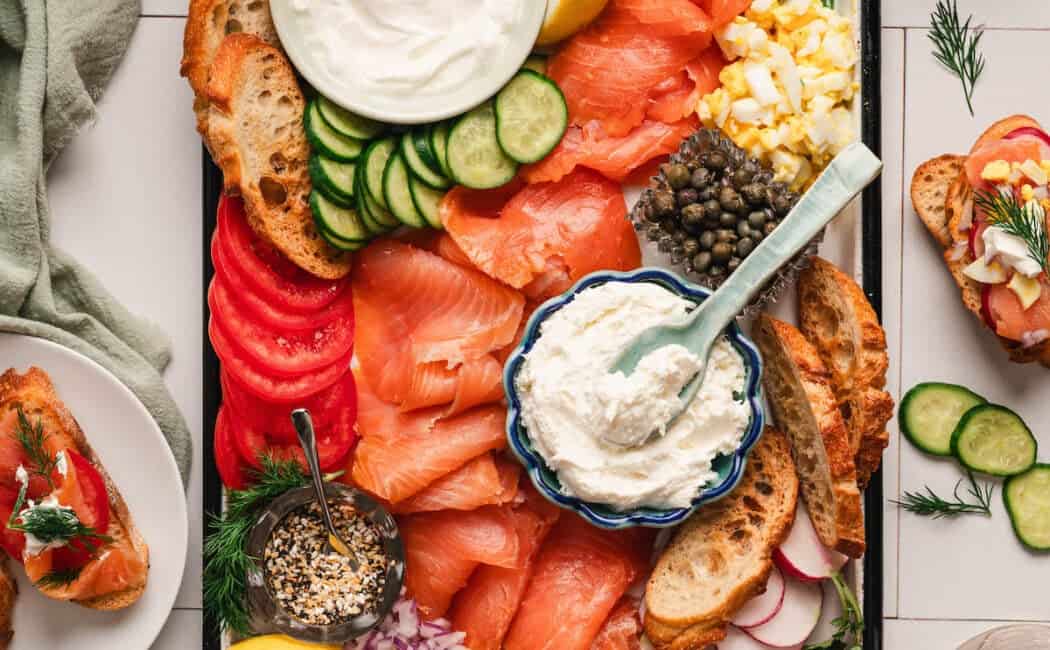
(729, 467)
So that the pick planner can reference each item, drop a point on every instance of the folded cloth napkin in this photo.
(55, 59)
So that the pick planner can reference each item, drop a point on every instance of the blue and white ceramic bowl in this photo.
(729, 467)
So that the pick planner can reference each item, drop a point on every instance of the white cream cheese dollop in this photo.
(407, 47)
(592, 427)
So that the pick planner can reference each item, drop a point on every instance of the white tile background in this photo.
(126, 200)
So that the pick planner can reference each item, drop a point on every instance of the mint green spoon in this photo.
(849, 173)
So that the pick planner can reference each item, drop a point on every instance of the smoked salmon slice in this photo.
(483, 481)
(676, 98)
(723, 11)
(1012, 320)
(443, 548)
(1017, 150)
(547, 235)
(581, 573)
(607, 70)
(668, 17)
(623, 628)
(613, 157)
(484, 609)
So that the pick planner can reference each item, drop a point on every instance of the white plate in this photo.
(135, 454)
(361, 100)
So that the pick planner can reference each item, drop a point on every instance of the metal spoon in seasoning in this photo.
(304, 427)
(847, 174)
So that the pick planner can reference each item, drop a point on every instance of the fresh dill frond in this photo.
(59, 524)
(956, 46)
(928, 504)
(830, 4)
(1027, 222)
(58, 578)
(227, 562)
(31, 437)
(849, 628)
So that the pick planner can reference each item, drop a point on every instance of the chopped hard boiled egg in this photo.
(985, 272)
(1027, 289)
(785, 95)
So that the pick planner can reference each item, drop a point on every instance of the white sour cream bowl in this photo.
(408, 61)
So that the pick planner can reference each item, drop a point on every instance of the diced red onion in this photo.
(403, 629)
(958, 251)
(1033, 338)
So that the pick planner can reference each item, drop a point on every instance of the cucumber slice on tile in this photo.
(930, 412)
(439, 145)
(326, 140)
(416, 164)
(374, 164)
(1027, 499)
(344, 223)
(349, 124)
(531, 116)
(475, 157)
(398, 194)
(427, 201)
(994, 440)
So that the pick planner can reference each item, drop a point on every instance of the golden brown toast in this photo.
(35, 394)
(8, 594)
(721, 557)
(943, 200)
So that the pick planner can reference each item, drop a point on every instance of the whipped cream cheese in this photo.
(593, 427)
(407, 48)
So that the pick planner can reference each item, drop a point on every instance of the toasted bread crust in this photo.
(263, 152)
(8, 595)
(746, 525)
(34, 391)
(934, 178)
(798, 387)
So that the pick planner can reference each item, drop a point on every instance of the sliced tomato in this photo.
(231, 469)
(269, 313)
(333, 443)
(279, 352)
(276, 419)
(273, 277)
(12, 541)
(267, 386)
(82, 488)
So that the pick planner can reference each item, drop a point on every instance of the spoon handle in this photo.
(849, 173)
(304, 427)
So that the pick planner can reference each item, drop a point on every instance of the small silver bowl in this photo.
(268, 615)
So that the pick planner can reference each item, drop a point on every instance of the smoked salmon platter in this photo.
(419, 278)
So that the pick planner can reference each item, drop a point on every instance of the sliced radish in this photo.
(802, 555)
(1028, 130)
(831, 610)
(763, 607)
(796, 619)
(737, 639)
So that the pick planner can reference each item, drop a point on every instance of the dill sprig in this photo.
(58, 578)
(956, 46)
(849, 627)
(1027, 222)
(49, 525)
(31, 437)
(928, 504)
(226, 558)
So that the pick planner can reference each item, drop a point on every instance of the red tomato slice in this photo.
(231, 469)
(278, 352)
(268, 313)
(267, 386)
(276, 420)
(333, 443)
(12, 541)
(274, 278)
(84, 489)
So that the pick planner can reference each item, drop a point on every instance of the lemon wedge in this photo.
(278, 642)
(566, 17)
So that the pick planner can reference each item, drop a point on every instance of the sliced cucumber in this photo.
(474, 155)
(327, 140)
(342, 244)
(994, 440)
(421, 141)
(1027, 499)
(930, 412)
(536, 63)
(439, 145)
(367, 206)
(398, 194)
(531, 116)
(427, 201)
(418, 167)
(344, 223)
(334, 178)
(347, 123)
(374, 164)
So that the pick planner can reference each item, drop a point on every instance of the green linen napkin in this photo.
(56, 56)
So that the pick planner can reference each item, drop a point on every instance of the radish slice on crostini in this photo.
(831, 610)
(796, 619)
(802, 556)
(765, 606)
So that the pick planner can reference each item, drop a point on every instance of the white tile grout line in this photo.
(969, 620)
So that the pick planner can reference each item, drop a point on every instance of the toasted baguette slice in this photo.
(945, 177)
(838, 320)
(798, 388)
(721, 557)
(207, 24)
(255, 130)
(35, 394)
(8, 595)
